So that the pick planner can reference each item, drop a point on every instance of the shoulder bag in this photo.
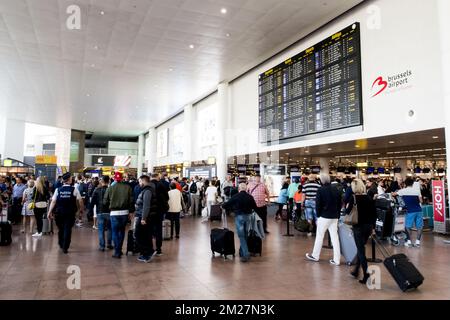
(352, 217)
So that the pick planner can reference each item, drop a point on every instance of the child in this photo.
(298, 199)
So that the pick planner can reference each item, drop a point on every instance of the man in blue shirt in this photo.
(412, 198)
(18, 190)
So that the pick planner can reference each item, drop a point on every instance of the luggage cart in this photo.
(398, 236)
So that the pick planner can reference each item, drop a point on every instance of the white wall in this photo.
(13, 139)
(122, 148)
(175, 154)
(205, 117)
(408, 38)
(2, 136)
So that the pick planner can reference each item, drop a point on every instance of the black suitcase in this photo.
(5, 233)
(131, 243)
(254, 244)
(222, 242)
(385, 222)
(401, 269)
(216, 212)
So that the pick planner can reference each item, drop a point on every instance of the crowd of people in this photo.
(112, 203)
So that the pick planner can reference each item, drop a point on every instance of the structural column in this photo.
(189, 133)
(324, 165)
(222, 123)
(403, 164)
(140, 160)
(13, 139)
(443, 10)
(152, 151)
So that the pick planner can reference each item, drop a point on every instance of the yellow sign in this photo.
(310, 50)
(46, 159)
(336, 35)
(362, 164)
(7, 163)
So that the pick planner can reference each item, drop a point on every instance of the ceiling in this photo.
(131, 65)
(428, 145)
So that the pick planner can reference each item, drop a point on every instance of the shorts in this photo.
(414, 218)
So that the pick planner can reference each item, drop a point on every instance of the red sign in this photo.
(439, 201)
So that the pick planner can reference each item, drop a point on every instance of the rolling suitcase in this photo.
(131, 243)
(401, 269)
(47, 225)
(5, 228)
(385, 223)
(347, 243)
(166, 229)
(216, 212)
(222, 242)
(254, 244)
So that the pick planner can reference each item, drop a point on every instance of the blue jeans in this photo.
(104, 225)
(242, 221)
(118, 225)
(310, 210)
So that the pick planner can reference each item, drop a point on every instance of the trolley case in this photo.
(216, 212)
(222, 242)
(347, 243)
(254, 243)
(47, 225)
(401, 269)
(5, 228)
(131, 243)
(385, 223)
(166, 229)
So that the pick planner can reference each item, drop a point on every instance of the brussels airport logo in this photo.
(391, 83)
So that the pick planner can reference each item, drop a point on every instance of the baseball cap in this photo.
(66, 176)
(118, 176)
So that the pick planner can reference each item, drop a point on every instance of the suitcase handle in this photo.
(383, 250)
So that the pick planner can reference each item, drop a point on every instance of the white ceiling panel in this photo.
(132, 65)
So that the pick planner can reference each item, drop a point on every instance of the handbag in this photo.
(352, 218)
(32, 204)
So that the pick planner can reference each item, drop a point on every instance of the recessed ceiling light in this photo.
(191, 46)
(88, 95)
(156, 86)
(435, 137)
(95, 47)
(391, 142)
(170, 69)
(329, 149)
(223, 10)
(85, 112)
(228, 35)
(93, 65)
(356, 146)
(102, 12)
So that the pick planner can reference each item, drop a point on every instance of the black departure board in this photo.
(315, 91)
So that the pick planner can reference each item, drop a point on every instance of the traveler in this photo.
(119, 199)
(381, 188)
(203, 199)
(282, 200)
(194, 190)
(175, 207)
(293, 187)
(2, 184)
(58, 183)
(242, 204)
(211, 195)
(41, 195)
(310, 191)
(185, 192)
(17, 197)
(65, 202)
(259, 192)
(298, 201)
(103, 214)
(367, 216)
(27, 213)
(177, 184)
(226, 187)
(372, 188)
(165, 181)
(92, 213)
(162, 207)
(328, 206)
(146, 218)
(414, 216)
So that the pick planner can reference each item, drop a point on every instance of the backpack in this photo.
(193, 188)
(83, 188)
(227, 191)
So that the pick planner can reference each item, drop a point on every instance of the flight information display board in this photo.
(315, 91)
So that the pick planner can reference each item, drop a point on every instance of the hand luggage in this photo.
(401, 269)
(47, 225)
(384, 224)
(301, 224)
(131, 243)
(166, 229)
(347, 243)
(216, 212)
(254, 243)
(222, 242)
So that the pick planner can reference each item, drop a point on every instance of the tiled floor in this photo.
(36, 269)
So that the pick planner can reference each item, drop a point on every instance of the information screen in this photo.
(315, 91)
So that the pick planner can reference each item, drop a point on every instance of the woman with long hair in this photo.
(282, 200)
(41, 196)
(27, 212)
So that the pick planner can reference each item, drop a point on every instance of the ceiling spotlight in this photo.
(223, 10)
(191, 46)
(329, 149)
(356, 146)
(170, 69)
(85, 112)
(88, 95)
(391, 142)
(228, 35)
(102, 12)
(95, 47)
(92, 65)
(435, 137)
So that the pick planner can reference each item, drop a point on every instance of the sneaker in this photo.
(334, 263)
(417, 244)
(408, 244)
(65, 251)
(309, 234)
(110, 247)
(22, 231)
(310, 257)
(101, 249)
(94, 227)
(245, 259)
(178, 237)
(37, 234)
(143, 258)
(158, 253)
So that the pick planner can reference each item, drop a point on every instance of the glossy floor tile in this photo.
(36, 269)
